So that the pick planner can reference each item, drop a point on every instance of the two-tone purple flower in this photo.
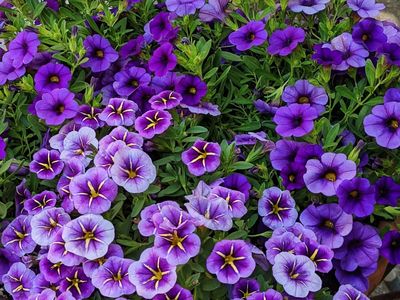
(202, 157)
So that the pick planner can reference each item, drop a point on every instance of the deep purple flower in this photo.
(99, 52)
(231, 260)
(88, 116)
(214, 9)
(265, 108)
(46, 224)
(88, 236)
(202, 157)
(163, 60)
(46, 164)
(325, 175)
(132, 48)
(129, 80)
(387, 191)
(165, 100)
(369, 33)
(7, 259)
(357, 197)
(277, 208)
(244, 288)
(118, 112)
(120, 133)
(133, 170)
(52, 76)
(235, 199)
(295, 120)
(167, 82)
(237, 182)
(269, 294)
(325, 56)
(296, 273)
(357, 278)
(18, 281)
(152, 275)
(22, 193)
(184, 7)
(329, 223)
(250, 35)
(112, 277)
(77, 283)
(23, 48)
(392, 95)
(160, 27)
(286, 242)
(384, 124)
(348, 292)
(58, 254)
(292, 176)
(391, 247)
(192, 89)
(53, 272)
(176, 292)
(40, 286)
(320, 255)
(303, 92)
(3, 146)
(250, 138)
(365, 8)
(283, 42)
(284, 153)
(153, 122)
(309, 7)
(391, 51)
(17, 238)
(360, 247)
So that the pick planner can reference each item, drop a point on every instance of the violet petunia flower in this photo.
(326, 57)
(7, 259)
(176, 292)
(391, 51)
(365, 8)
(160, 27)
(295, 120)
(52, 76)
(237, 182)
(250, 35)
(18, 281)
(329, 223)
(320, 255)
(152, 275)
(298, 230)
(269, 294)
(348, 292)
(17, 237)
(58, 254)
(133, 169)
(203, 108)
(369, 32)
(53, 272)
(303, 92)
(77, 283)
(57, 106)
(153, 122)
(292, 176)
(40, 202)
(391, 247)
(99, 52)
(112, 278)
(231, 260)
(308, 7)
(283, 42)
(88, 236)
(132, 48)
(57, 141)
(392, 95)
(244, 288)
(285, 153)
(184, 7)
(202, 157)
(120, 133)
(129, 80)
(163, 60)
(22, 193)
(7, 71)
(46, 164)
(88, 116)
(165, 100)
(23, 48)
(277, 208)
(235, 199)
(286, 242)
(387, 191)
(192, 89)
(384, 125)
(105, 157)
(89, 266)
(296, 273)
(213, 10)
(357, 278)
(326, 174)
(251, 138)
(118, 112)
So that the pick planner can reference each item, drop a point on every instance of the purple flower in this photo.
(360, 247)
(58, 254)
(89, 266)
(303, 92)
(57, 106)
(384, 124)
(265, 108)
(129, 80)
(353, 54)
(320, 255)
(120, 133)
(112, 278)
(202, 157)
(237, 182)
(277, 208)
(325, 175)
(391, 247)
(163, 60)
(153, 122)
(329, 223)
(282, 42)
(365, 8)
(292, 176)
(161, 28)
(118, 112)
(284, 153)
(203, 108)
(309, 7)
(165, 100)
(88, 116)
(40, 202)
(269, 294)
(88, 236)
(295, 120)
(105, 157)
(23, 48)
(326, 57)
(286, 242)
(53, 272)
(357, 196)
(235, 200)
(391, 51)
(22, 193)
(46, 224)
(78, 284)
(250, 138)
(176, 292)
(250, 35)
(387, 191)
(192, 89)
(7, 259)
(152, 275)
(99, 52)
(46, 164)
(214, 9)
(231, 260)
(18, 281)
(296, 273)
(357, 278)
(52, 76)
(132, 48)
(244, 288)
(369, 33)
(17, 238)
(392, 95)
(348, 292)
(57, 141)
(298, 230)
(133, 170)
(184, 7)
(3, 146)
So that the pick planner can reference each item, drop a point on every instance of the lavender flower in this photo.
(284, 42)
(23, 48)
(365, 8)
(202, 157)
(320, 255)
(163, 60)
(78, 284)
(213, 10)
(120, 133)
(165, 100)
(18, 281)
(153, 122)
(286, 242)
(235, 199)
(89, 266)
(99, 52)
(58, 254)
(17, 238)
(46, 164)
(306, 6)
(250, 35)
(391, 247)
(348, 292)
(52, 76)
(183, 7)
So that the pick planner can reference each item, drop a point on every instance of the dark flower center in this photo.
(365, 37)
(135, 83)
(297, 121)
(330, 175)
(346, 55)
(303, 100)
(393, 124)
(99, 53)
(192, 90)
(54, 79)
(354, 194)
(329, 224)
(307, 2)
(292, 177)
(287, 42)
(355, 244)
(60, 109)
(251, 36)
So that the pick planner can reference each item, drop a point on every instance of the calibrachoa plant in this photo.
(192, 149)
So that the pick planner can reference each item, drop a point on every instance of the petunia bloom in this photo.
(348, 292)
(153, 122)
(18, 281)
(165, 100)
(365, 8)
(163, 60)
(391, 247)
(269, 294)
(286, 242)
(77, 283)
(176, 292)
(244, 288)
(88, 116)
(370, 33)
(307, 7)
(184, 7)
(202, 157)
(52, 76)
(46, 164)
(118, 112)
(89, 266)
(320, 255)
(213, 10)
(129, 80)
(192, 89)
(23, 48)
(283, 42)
(58, 254)
(99, 52)
(250, 35)
(387, 191)
(17, 237)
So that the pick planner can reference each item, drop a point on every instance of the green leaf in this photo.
(138, 205)
(240, 234)
(370, 72)
(4, 208)
(197, 129)
(230, 56)
(169, 190)
(242, 165)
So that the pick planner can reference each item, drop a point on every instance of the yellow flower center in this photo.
(99, 53)
(303, 100)
(54, 79)
(331, 176)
